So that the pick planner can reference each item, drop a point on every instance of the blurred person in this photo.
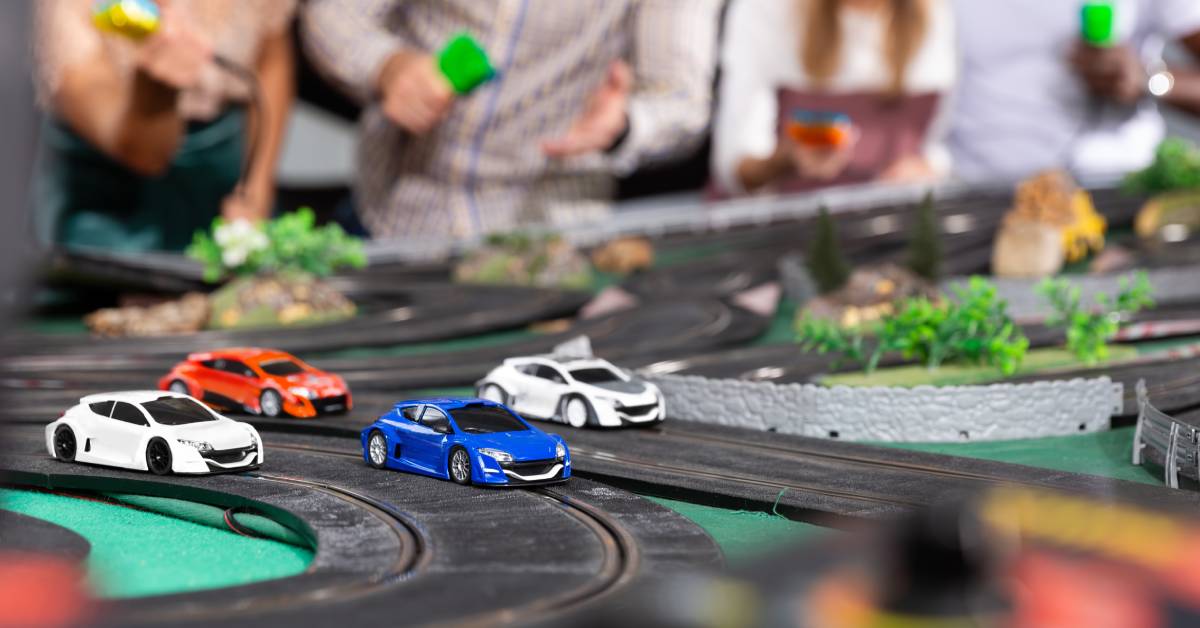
(1033, 96)
(146, 140)
(886, 64)
(585, 90)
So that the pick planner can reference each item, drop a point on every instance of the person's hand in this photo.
(821, 163)
(242, 204)
(415, 94)
(1114, 73)
(175, 54)
(603, 121)
(908, 169)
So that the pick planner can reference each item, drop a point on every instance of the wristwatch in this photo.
(1161, 81)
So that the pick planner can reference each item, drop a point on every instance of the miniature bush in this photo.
(974, 328)
(290, 243)
(1176, 167)
(1090, 329)
(825, 262)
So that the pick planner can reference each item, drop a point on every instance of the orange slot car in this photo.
(259, 381)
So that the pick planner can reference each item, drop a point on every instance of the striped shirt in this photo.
(482, 170)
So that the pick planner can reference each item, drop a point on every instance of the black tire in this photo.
(459, 475)
(158, 456)
(370, 454)
(270, 403)
(501, 396)
(179, 386)
(65, 444)
(569, 400)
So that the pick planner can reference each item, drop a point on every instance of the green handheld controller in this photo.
(1098, 21)
(465, 63)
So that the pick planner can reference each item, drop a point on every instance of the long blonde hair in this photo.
(821, 52)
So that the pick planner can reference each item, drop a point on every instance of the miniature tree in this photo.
(825, 262)
(925, 244)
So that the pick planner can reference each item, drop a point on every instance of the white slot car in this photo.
(152, 430)
(578, 392)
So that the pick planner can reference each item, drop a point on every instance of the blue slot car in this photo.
(469, 441)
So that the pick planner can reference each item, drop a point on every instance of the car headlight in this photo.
(301, 391)
(500, 456)
(199, 445)
(560, 451)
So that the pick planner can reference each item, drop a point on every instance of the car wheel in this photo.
(64, 443)
(492, 392)
(377, 449)
(270, 403)
(158, 457)
(575, 411)
(178, 386)
(459, 466)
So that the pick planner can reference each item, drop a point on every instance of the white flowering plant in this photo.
(290, 243)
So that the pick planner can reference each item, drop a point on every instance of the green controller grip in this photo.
(1098, 21)
(465, 63)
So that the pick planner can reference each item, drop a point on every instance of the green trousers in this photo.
(82, 198)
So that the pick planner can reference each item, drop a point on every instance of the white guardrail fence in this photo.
(1160, 438)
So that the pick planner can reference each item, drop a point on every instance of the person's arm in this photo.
(133, 119)
(1185, 94)
(1119, 73)
(747, 151)
(348, 43)
(276, 77)
(659, 105)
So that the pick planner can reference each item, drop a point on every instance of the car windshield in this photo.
(486, 420)
(281, 368)
(595, 375)
(177, 411)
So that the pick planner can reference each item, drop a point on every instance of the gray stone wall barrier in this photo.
(919, 414)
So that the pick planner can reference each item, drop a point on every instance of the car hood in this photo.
(219, 434)
(524, 445)
(632, 387)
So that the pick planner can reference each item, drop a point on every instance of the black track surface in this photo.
(22, 533)
(655, 331)
(398, 548)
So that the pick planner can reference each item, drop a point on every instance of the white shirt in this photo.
(1020, 108)
(761, 54)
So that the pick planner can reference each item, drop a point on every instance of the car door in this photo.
(428, 439)
(220, 384)
(522, 383)
(95, 421)
(118, 439)
(244, 383)
(543, 396)
(402, 451)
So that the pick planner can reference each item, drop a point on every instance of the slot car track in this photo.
(405, 548)
(389, 549)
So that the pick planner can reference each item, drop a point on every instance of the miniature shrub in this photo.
(975, 328)
(290, 243)
(1176, 167)
(1090, 329)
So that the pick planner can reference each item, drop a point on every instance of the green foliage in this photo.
(1176, 167)
(826, 336)
(825, 262)
(1090, 329)
(975, 328)
(290, 243)
(925, 243)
